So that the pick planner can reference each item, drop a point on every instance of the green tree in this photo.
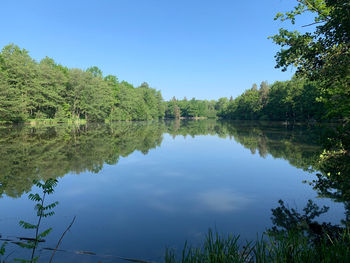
(52, 81)
(248, 104)
(264, 92)
(20, 86)
(47, 90)
(95, 71)
(321, 53)
(89, 96)
(11, 105)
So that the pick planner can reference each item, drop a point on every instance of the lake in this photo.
(137, 188)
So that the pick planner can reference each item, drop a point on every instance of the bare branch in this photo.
(59, 241)
(319, 22)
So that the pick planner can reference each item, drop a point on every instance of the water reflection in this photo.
(29, 153)
(146, 195)
(223, 200)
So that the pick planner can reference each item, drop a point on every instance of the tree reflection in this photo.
(333, 178)
(29, 153)
(286, 220)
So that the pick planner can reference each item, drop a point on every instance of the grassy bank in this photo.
(55, 121)
(46, 121)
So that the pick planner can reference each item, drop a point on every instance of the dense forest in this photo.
(39, 91)
(288, 100)
(47, 90)
(193, 108)
(293, 100)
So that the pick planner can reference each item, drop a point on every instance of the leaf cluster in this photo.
(321, 53)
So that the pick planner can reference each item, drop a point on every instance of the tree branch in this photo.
(314, 23)
(59, 241)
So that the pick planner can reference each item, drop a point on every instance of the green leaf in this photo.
(29, 244)
(35, 197)
(50, 206)
(44, 233)
(48, 214)
(2, 248)
(21, 260)
(27, 225)
(27, 260)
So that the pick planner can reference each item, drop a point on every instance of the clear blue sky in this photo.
(195, 48)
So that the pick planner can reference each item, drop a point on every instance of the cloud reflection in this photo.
(211, 200)
(223, 200)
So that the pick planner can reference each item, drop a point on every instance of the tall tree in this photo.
(264, 93)
(20, 72)
(10, 100)
(52, 82)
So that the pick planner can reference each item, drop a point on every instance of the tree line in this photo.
(47, 90)
(293, 100)
(193, 108)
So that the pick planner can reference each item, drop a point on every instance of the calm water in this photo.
(137, 188)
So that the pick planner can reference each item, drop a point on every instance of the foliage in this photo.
(294, 100)
(333, 177)
(43, 211)
(141, 103)
(190, 109)
(17, 84)
(321, 53)
(3, 250)
(46, 90)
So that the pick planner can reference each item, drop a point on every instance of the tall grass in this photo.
(289, 246)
